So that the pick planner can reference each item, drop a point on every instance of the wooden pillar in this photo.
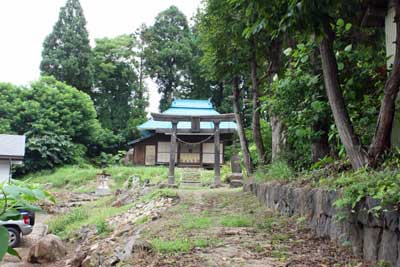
(217, 178)
(172, 149)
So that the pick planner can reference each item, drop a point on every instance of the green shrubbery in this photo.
(60, 123)
(279, 171)
(356, 185)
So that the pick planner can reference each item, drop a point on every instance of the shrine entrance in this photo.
(191, 152)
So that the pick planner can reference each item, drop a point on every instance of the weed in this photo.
(167, 192)
(279, 170)
(280, 253)
(142, 220)
(171, 246)
(58, 224)
(196, 222)
(102, 227)
(279, 237)
(236, 221)
(268, 224)
(178, 245)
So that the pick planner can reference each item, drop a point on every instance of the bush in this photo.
(279, 171)
(55, 117)
(49, 151)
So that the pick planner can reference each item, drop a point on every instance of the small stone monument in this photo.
(236, 178)
(103, 189)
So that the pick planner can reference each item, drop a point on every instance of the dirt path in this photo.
(227, 227)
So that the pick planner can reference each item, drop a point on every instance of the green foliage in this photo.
(66, 51)
(279, 171)
(119, 96)
(59, 121)
(379, 185)
(103, 228)
(168, 54)
(50, 150)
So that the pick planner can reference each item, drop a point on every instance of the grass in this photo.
(196, 222)
(65, 225)
(236, 221)
(178, 245)
(82, 179)
(159, 193)
(142, 220)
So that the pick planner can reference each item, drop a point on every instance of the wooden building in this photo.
(195, 146)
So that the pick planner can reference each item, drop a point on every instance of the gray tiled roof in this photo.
(12, 146)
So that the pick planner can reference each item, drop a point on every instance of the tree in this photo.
(66, 51)
(118, 94)
(225, 55)
(168, 53)
(60, 122)
(318, 17)
(381, 141)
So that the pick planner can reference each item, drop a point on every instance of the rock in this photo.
(87, 262)
(141, 245)
(388, 248)
(165, 185)
(236, 183)
(48, 249)
(77, 260)
(235, 164)
(370, 244)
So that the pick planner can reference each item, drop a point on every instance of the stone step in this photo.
(191, 183)
(236, 183)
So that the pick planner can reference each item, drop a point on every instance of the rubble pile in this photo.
(118, 246)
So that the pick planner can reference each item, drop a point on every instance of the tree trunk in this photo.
(357, 155)
(277, 138)
(381, 140)
(256, 126)
(277, 127)
(320, 145)
(240, 128)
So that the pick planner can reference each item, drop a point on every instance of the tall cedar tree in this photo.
(66, 51)
(118, 92)
(168, 54)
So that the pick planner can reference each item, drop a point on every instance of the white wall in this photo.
(4, 170)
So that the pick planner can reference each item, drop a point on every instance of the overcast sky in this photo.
(25, 23)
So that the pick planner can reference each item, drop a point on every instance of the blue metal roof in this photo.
(189, 107)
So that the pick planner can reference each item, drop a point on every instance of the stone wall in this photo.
(374, 239)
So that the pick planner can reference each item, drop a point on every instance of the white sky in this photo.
(24, 24)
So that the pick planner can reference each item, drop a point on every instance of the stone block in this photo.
(391, 220)
(371, 237)
(388, 248)
(356, 236)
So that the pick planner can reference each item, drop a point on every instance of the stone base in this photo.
(164, 185)
(103, 192)
(236, 183)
